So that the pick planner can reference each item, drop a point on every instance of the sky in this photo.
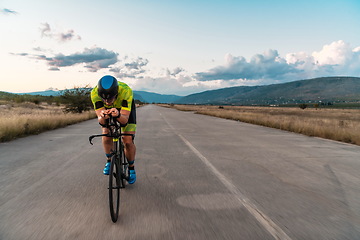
(175, 47)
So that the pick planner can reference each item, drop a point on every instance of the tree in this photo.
(77, 100)
(303, 105)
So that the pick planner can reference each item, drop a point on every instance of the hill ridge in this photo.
(323, 89)
(309, 90)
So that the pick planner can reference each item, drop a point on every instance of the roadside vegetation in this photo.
(23, 115)
(335, 124)
(22, 119)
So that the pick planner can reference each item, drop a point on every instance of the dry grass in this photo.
(18, 120)
(336, 124)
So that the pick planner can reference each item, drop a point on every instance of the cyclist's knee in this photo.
(130, 150)
(105, 130)
(107, 141)
(128, 139)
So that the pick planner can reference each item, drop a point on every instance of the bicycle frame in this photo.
(115, 133)
(119, 164)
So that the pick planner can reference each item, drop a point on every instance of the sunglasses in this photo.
(109, 99)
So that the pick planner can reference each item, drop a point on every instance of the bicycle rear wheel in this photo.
(114, 189)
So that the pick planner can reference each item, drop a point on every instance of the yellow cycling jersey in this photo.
(123, 100)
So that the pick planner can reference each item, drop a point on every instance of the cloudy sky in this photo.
(175, 47)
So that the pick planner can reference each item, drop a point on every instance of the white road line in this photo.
(264, 220)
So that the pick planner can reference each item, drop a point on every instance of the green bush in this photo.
(77, 100)
(303, 105)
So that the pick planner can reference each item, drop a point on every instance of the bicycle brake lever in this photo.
(90, 140)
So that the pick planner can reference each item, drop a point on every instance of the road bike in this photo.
(118, 174)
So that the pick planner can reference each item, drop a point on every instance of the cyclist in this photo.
(116, 98)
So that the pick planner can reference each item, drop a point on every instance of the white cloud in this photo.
(93, 59)
(130, 68)
(168, 85)
(268, 65)
(337, 58)
(178, 81)
(47, 31)
(175, 71)
(67, 36)
(336, 53)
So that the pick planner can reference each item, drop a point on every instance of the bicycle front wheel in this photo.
(114, 189)
(123, 168)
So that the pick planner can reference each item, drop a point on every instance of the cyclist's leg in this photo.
(107, 145)
(130, 151)
(106, 141)
(130, 148)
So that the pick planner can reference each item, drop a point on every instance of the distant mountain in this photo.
(314, 90)
(138, 97)
(44, 93)
(150, 97)
(326, 89)
(142, 96)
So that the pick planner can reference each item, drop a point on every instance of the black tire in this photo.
(114, 189)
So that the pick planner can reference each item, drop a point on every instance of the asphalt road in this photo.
(199, 177)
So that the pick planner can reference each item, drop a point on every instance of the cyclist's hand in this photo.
(114, 112)
(105, 114)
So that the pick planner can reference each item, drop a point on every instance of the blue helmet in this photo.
(108, 87)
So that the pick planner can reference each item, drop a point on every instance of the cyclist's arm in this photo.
(99, 107)
(122, 115)
(126, 106)
(101, 113)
